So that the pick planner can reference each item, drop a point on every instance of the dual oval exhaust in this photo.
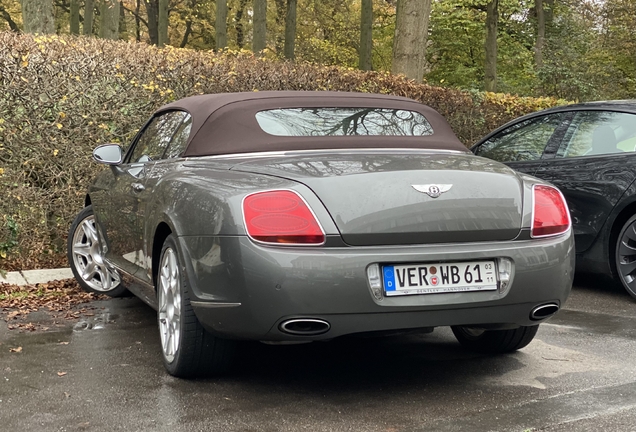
(315, 326)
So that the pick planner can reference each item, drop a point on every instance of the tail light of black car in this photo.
(550, 214)
(281, 217)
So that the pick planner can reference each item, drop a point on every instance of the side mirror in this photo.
(109, 154)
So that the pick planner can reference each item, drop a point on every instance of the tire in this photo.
(84, 255)
(188, 350)
(625, 256)
(494, 341)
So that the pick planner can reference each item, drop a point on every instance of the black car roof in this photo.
(627, 105)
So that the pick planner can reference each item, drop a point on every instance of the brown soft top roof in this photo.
(225, 123)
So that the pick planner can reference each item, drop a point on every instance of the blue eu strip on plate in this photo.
(389, 278)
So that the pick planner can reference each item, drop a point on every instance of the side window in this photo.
(599, 133)
(524, 141)
(156, 137)
(180, 139)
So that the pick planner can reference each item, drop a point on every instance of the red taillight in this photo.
(281, 217)
(550, 215)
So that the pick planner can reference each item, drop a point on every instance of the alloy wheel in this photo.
(169, 304)
(88, 258)
(626, 256)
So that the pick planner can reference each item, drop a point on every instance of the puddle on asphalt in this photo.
(97, 322)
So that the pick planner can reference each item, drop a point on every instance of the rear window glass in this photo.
(343, 121)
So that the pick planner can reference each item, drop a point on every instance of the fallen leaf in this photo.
(15, 350)
(61, 374)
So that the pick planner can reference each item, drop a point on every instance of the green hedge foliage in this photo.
(62, 96)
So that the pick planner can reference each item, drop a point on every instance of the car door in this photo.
(123, 218)
(594, 165)
(525, 144)
(168, 163)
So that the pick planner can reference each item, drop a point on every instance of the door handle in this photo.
(137, 187)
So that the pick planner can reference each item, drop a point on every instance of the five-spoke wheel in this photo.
(86, 259)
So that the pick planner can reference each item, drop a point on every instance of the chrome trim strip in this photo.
(213, 305)
(130, 275)
(290, 153)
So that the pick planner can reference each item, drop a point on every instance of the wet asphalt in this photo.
(579, 374)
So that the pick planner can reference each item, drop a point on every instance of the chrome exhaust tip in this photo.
(544, 311)
(305, 326)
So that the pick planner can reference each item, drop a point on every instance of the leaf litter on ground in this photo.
(61, 299)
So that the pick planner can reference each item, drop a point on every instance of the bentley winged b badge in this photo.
(433, 190)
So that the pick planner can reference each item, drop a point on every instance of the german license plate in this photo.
(408, 279)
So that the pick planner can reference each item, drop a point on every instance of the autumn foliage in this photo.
(62, 96)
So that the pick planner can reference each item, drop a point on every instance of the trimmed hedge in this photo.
(62, 96)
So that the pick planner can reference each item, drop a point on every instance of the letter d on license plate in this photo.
(408, 279)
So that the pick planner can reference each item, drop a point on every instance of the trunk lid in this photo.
(412, 198)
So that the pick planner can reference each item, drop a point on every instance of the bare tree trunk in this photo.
(260, 25)
(281, 13)
(137, 21)
(238, 25)
(411, 32)
(162, 27)
(220, 25)
(490, 67)
(538, 47)
(366, 35)
(89, 13)
(37, 16)
(74, 17)
(152, 10)
(123, 28)
(109, 20)
(290, 29)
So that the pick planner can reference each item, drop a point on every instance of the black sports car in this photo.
(588, 151)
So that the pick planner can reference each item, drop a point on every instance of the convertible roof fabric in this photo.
(226, 123)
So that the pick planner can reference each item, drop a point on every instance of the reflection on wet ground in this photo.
(106, 374)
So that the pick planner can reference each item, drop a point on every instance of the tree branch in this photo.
(12, 25)
(137, 16)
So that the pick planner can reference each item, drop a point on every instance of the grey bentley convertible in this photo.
(299, 216)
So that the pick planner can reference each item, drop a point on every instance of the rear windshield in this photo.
(343, 121)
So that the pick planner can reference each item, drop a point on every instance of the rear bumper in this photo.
(243, 290)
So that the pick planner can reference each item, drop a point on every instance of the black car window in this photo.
(523, 141)
(156, 137)
(180, 139)
(332, 121)
(599, 133)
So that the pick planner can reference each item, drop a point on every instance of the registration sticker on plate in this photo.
(409, 279)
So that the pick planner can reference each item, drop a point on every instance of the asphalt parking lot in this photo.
(105, 373)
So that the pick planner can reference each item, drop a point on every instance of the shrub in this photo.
(61, 96)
